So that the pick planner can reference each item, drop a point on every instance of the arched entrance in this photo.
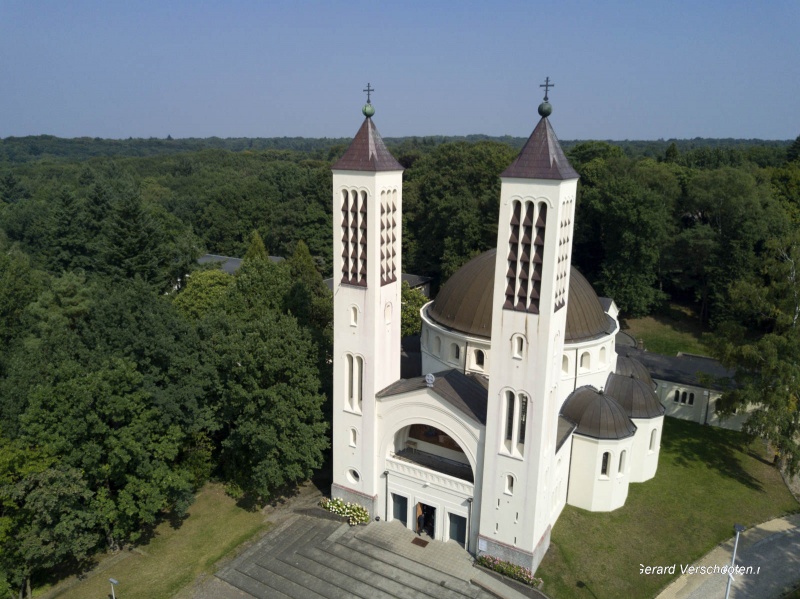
(429, 483)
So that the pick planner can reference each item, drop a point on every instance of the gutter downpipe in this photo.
(386, 498)
(469, 521)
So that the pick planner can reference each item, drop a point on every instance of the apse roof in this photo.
(597, 415)
(464, 303)
(634, 395)
(541, 157)
(631, 367)
(686, 369)
(367, 152)
(464, 391)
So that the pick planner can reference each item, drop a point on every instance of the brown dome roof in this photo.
(631, 367)
(597, 415)
(635, 396)
(464, 303)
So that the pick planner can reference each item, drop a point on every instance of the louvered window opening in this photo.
(525, 256)
(389, 231)
(354, 237)
(562, 266)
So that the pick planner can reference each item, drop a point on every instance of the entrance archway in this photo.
(432, 448)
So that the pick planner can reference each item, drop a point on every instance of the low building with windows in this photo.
(521, 404)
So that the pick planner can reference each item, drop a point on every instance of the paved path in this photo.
(312, 557)
(774, 547)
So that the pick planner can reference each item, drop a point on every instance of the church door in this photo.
(458, 529)
(400, 509)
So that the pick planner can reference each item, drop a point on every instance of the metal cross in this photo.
(369, 90)
(547, 85)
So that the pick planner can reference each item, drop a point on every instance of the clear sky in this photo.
(644, 69)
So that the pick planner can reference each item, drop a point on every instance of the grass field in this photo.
(704, 483)
(673, 330)
(175, 556)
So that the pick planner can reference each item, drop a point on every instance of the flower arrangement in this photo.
(355, 514)
(510, 570)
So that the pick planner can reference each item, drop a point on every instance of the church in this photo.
(523, 406)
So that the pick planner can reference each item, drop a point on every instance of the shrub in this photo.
(513, 571)
(355, 514)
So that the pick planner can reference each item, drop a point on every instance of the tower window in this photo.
(604, 464)
(653, 439)
(509, 417)
(621, 469)
(523, 416)
(479, 358)
(353, 316)
(353, 437)
(509, 484)
(518, 346)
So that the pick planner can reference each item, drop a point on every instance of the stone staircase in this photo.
(306, 557)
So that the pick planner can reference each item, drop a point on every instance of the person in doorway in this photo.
(420, 523)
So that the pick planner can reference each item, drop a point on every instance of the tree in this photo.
(793, 153)
(412, 301)
(205, 292)
(763, 346)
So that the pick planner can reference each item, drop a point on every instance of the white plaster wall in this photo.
(644, 462)
(437, 362)
(588, 488)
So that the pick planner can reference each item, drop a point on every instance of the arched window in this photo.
(351, 381)
(604, 464)
(565, 364)
(479, 358)
(677, 396)
(517, 346)
(353, 316)
(585, 363)
(437, 346)
(509, 484)
(387, 314)
(353, 437)
(602, 355)
(621, 469)
(523, 416)
(683, 397)
(653, 439)
(691, 399)
(455, 352)
(360, 380)
(509, 418)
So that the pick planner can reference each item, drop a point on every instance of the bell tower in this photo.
(367, 236)
(534, 241)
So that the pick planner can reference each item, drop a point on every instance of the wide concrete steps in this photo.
(313, 558)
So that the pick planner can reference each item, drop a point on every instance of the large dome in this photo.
(464, 303)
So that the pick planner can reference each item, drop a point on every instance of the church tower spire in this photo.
(537, 205)
(367, 208)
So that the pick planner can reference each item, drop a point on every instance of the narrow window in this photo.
(683, 397)
(387, 314)
(519, 347)
(602, 355)
(509, 484)
(691, 399)
(479, 358)
(585, 360)
(564, 364)
(653, 439)
(604, 465)
(621, 469)
(353, 316)
(455, 352)
(353, 437)
(360, 392)
(509, 415)
(350, 381)
(677, 396)
(437, 346)
(523, 414)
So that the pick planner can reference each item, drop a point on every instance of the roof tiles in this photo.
(541, 157)
(367, 152)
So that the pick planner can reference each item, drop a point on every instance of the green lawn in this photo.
(704, 483)
(676, 329)
(175, 556)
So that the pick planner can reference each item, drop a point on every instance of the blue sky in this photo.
(622, 70)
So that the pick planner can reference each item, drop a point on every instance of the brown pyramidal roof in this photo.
(541, 157)
(367, 152)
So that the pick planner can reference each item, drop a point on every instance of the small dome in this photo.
(597, 415)
(634, 395)
(631, 367)
(464, 303)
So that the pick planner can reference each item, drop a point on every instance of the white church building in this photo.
(524, 405)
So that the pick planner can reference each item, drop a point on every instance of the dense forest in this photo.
(126, 384)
